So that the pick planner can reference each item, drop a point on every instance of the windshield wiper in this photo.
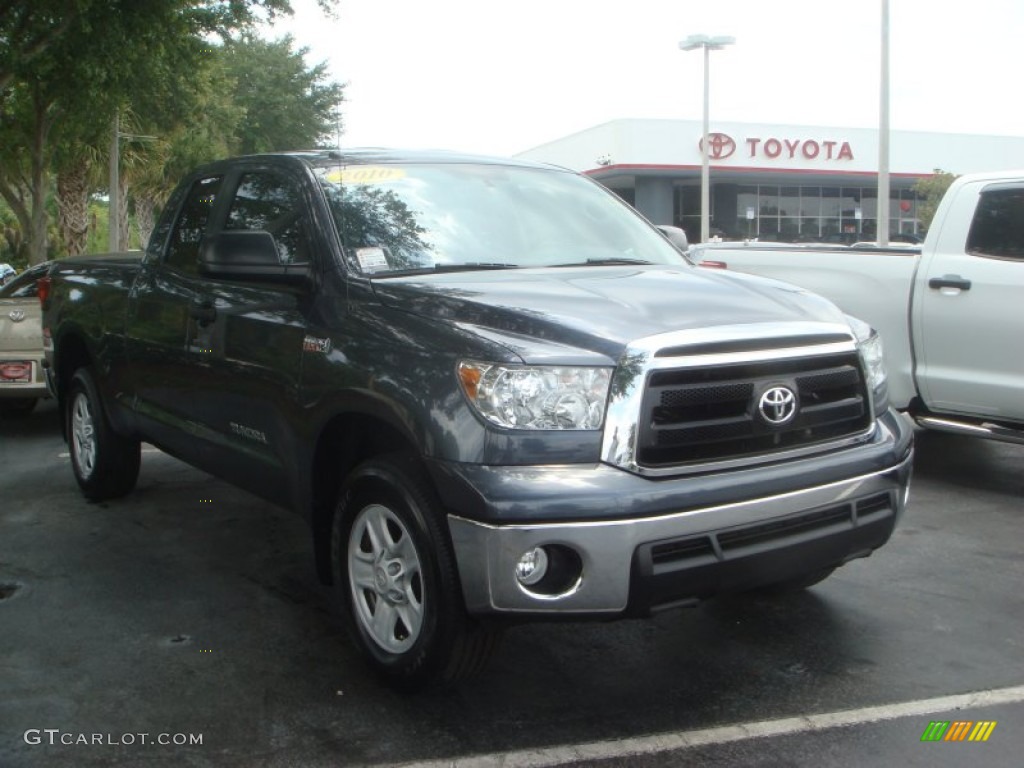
(614, 261)
(471, 266)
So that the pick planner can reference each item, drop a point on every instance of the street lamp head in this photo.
(713, 42)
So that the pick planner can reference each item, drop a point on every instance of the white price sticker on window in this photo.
(372, 259)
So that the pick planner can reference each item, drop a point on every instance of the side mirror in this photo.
(248, 255)
(676, 236)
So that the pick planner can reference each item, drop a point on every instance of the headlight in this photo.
(869, 343)
(536, 397)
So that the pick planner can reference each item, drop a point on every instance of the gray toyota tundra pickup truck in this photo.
(494, 390)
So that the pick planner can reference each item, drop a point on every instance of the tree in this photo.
(11, 241)
(29, 29)
(286, 104)
(192, 129)
(250, 95)
(66, 65)
(931, 188)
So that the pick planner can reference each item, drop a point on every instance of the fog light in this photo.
(532, 566)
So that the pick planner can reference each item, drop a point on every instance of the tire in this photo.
(397, 582)
(16, 407)
(106, 465)
(797, 584)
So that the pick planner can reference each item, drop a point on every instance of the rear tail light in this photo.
(43, 290)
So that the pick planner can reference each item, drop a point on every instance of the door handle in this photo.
(203, 313)
(949, 281)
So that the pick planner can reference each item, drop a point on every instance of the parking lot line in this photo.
(666, 742)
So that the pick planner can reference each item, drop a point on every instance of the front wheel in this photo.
(397, 581)
(106, 465)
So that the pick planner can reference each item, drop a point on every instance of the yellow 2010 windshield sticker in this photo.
(365, 174)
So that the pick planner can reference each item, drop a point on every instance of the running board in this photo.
(984, 429)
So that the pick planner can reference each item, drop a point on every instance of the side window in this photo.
(271, 203)
(183, 249)
(998, 226)
(158, 237)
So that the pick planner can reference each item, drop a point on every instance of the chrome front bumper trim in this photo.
(487, 554)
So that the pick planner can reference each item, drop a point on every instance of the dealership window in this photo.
(746, 212)
(810, 213)
(903, 211)
(805, 213)
(828, 214)
(789, 201)
(628, 194)
(810, 201)
(830, 202)
(686, 204)
(768, 201)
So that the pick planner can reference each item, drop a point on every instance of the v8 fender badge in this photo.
(313, 344)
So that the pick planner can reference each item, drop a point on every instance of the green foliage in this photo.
(11, 248)
(286, 105)
(932, 189)
(99, 227)
(67, 66)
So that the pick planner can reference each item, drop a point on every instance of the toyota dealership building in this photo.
(773, 182)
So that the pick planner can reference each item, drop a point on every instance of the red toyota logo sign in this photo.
(721, 146)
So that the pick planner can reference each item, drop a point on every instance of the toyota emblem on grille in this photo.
(17, 315)
(777, 405)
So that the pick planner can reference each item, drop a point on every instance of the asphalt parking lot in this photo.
(190, 609)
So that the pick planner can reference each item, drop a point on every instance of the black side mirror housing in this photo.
(248, 255)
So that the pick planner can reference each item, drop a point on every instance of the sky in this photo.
(500, 78)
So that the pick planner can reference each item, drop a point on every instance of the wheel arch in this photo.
(71, 352)
(344, 442)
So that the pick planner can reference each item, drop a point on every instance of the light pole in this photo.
(883, 134)
(708, 43)
(114, 214)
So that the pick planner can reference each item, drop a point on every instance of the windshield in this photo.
(396, 219)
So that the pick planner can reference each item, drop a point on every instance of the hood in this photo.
(599, 309)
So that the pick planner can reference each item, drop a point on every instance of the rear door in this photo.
(969, 307)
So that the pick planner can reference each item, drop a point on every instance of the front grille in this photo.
(695, 415)
(697, 550)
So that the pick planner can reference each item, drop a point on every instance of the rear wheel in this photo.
(396, 578)
(106, 465)
(15, 407)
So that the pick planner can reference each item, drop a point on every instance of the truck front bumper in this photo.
(670, 551)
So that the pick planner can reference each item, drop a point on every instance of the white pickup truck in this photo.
(951, 315)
